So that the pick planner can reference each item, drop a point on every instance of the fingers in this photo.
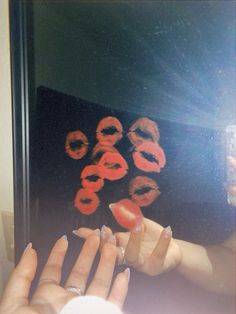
(102, 280)
(157, 258)
(120, 288)
(80, 272)
(17, 289)
(133, 247)
(52, 269)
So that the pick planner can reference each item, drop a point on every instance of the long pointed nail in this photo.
(28, 246)
(75, 232)
(97, 232)
(64, 237)
(111, 206)
(127, 272)
(168, 232)
(103, 232)
(112, 239)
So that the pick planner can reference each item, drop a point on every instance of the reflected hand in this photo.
(49, 296)
(151, 250)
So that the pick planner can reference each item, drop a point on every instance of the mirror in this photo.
(165, 71)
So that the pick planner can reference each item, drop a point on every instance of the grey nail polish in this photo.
(64, 237)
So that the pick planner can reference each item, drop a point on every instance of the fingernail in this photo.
(168, 232)
(127, 272)
(75, 232)
(97, 232)
(112, 239)
(111, 206)
(28, 246)
(137, 229)
(64, 237)
(103, 232)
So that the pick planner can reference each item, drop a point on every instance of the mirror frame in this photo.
(18, 11)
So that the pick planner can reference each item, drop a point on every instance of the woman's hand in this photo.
(49, 296)
(151, 250)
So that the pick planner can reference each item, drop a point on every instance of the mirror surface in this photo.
(170, 61)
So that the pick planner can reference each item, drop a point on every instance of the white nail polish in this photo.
(75, 232)
(103, 232)
(64, 237)
(28, 246)
(127, 272)
(97, 232)
(111, 206)
(168, 232)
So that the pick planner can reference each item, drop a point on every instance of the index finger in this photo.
(52, 270)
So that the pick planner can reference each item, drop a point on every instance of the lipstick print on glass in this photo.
(86, 201)
(149, 157)
(143, 191)
(109, 131)
(127, 213)
(76, 145)
(143, 130)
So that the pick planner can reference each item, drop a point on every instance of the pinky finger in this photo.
(119, 289)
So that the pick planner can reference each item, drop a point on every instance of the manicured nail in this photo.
(137, 229)
(168, 232)
(127, 272)
(111, 206)
(103, 232)
(64, 237)
(97, 232)
(28, 246)
(112, 239)
(75, 232)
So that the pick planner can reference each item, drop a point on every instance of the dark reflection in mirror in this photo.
(171, 61)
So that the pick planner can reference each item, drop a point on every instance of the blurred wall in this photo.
(6, 157)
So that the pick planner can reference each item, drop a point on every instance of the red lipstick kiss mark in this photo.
(113, 166)
(92, 178)
(143, 130)
(109, 131)
(143, 191)
(76, 144)
(99, 150)
(86, 201)
(149, 157)
(127, 213)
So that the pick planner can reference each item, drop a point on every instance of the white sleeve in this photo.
(90, 305)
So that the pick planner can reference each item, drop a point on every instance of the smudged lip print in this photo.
(149, 157)
(113, 166)
(86, 201)
(76, 144)
(109, 131)
(100, 149)
(127, 213)
(143, 191)
(143, 130)
(92, 178)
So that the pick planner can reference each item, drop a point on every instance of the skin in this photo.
(152, 250)
(50, 297)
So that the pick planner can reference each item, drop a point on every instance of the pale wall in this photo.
(6, 157)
